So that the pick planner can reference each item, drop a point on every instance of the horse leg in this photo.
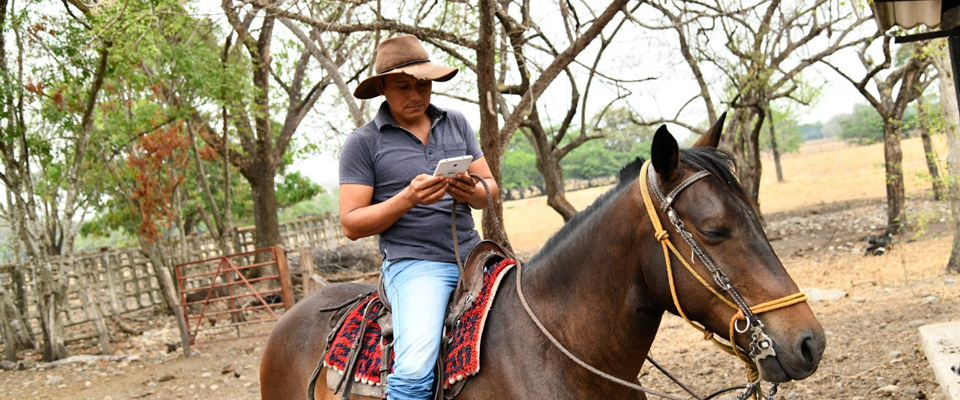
(293, 349)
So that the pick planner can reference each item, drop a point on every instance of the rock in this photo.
(205, 375)
(914, 393)
(917, 323)
(949, 281)
(166, 378)
(705, 371)
(930, 299)
(214, 387)
(815, 295)
(9, 365)
(887, 389)
(87, 384)
(53, 379)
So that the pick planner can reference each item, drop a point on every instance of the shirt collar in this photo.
(384, 118)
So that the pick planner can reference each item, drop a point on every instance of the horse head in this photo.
(724, 233)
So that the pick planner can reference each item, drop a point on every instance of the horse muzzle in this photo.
(796, 359)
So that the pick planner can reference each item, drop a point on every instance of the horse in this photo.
(601, 285)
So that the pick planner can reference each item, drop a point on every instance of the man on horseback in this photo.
(386, 188)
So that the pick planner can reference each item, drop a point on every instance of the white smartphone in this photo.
(450, 167)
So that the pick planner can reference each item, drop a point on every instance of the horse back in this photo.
(294, 347)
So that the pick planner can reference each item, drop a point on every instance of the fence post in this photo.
(94, 311)
(172, 298)
(286, 283)
(306, 263)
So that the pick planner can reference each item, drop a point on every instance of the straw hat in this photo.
(403, 55)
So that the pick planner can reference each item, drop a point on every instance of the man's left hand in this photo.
(461, 187)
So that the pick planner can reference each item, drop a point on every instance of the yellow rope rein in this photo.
(664, 238)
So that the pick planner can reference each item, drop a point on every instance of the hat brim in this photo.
(424, 71)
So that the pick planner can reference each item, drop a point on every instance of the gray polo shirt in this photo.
(387, 157)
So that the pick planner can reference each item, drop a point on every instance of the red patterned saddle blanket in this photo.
(463, 354)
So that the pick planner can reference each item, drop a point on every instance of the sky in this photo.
(633, 55)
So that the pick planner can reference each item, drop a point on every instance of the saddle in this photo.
(371, 311)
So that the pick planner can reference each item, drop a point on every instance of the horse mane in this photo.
(717, 162)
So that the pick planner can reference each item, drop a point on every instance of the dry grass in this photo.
(905, 264)
(824, 171)
(829, 171)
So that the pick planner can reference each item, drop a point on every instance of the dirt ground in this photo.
(873, 349)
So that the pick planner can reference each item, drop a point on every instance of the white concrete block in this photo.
(941, 344)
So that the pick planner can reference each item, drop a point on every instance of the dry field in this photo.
(818, 220)
(825, 171)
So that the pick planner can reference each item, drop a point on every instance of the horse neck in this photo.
(591, 289)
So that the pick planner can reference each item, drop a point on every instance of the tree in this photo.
(45, 152)
(951, 118)
(783, 136)
(264, 141)
(924, 120)
(766, 48)
(863, 126)
(908, 79)
(811, 131)
(474, 45)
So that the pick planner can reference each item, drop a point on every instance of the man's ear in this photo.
(378, 84)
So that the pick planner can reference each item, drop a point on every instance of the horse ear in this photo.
(711, 138)
(665, 154)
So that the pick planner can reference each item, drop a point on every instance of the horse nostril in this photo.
(810, 349)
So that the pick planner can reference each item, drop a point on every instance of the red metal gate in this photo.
(220, 287)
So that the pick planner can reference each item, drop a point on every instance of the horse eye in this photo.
(717, 235)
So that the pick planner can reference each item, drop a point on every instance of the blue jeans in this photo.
(418, 292)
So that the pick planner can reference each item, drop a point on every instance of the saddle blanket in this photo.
(463, 356)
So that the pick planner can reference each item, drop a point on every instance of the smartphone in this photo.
(450, 167)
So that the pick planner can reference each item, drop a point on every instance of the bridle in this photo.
(761, 345)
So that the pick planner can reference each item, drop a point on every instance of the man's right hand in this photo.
(426, 189)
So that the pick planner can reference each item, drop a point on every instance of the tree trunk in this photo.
(928, 152)
(154, 252)
(893, 160)
(490, 139)
(51, 296)
(264, 191)
(744, 145)
(951, 116)
(751, 169)
(773, 145)
(549, 167)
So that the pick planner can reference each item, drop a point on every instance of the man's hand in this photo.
(461, 187)
(426, 189)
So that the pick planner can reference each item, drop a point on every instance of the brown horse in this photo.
(600, 286)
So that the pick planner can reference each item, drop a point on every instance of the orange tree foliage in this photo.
(159, 161)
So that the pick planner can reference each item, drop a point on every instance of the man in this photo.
(387, 188)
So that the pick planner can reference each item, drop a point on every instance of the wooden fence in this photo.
(124, 280)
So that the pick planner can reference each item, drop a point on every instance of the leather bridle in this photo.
(761, 345)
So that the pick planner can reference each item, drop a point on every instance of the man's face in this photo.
(407, 96)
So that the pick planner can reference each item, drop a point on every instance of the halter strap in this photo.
(761, 344)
